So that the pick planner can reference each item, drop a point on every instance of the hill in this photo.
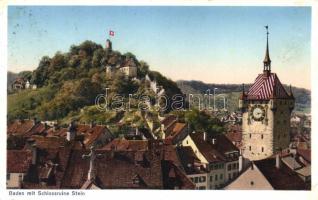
(68, 84)
(232, 92)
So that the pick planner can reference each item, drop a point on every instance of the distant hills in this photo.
(232, 91)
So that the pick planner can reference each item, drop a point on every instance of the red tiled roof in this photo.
(305, 153)
(234, 133)
(18, 161)
(91, 133)
(115, 172)
(49, 142)
(168, 120)
(188, 159)
(60, 132)
(20, 127)
(213, 152)
(283, 178)
(38, 129)
(174, 177)
(127, 145)
(267, 86)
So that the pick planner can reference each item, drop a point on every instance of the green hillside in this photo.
(69, 82)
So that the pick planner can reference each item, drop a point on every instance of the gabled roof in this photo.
(168, 120)
(174, 177)
(127, 145)
(213, 152)
(114, 171)
(234, 133)
(175, 129)
(20, 127)
(188, 160)
(282, 178)
(267, 86)
(91, 133)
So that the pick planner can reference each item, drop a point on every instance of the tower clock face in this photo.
(258, 113)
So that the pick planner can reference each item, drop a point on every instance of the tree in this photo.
(97, 57)
(143, 69)
(26, 75)
(40, 75)
(201, 121)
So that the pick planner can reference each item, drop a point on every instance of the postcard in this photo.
(103, 98)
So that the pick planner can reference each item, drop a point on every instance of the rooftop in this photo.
(282, 178)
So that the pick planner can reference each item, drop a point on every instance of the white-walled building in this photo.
(217, 154)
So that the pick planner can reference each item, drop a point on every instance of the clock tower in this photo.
(266, 109)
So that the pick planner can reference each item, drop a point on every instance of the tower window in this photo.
(250, 135)
(262, 136)
(250, 148)
(262, 149)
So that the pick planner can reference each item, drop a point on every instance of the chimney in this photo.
(34, 121)
(240, 163)
(91, 125)
(277, 161)
(213, 140)
(137, 132)
(71, 132)
(204, 136)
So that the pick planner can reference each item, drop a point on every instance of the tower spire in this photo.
(267, 60)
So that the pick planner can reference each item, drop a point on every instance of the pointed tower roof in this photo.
(267, 86)
(267, 61)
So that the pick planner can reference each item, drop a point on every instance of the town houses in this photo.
(263, 145)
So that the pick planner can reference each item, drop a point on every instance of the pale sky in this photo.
(211, 44)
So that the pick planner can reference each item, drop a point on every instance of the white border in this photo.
(155, 194)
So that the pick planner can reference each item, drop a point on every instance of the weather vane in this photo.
(267, 29)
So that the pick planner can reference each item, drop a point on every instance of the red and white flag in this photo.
(111, 33)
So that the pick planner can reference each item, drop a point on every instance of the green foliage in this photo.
(24, 104)
(201, 121)
(68, 84)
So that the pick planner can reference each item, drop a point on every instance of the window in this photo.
(250, 148)
(230, 176)
(8, 176)
(250, 135)
(216, 177)
(262, 136)
(187, 142)
(196, 179)
(202, 188)
(233, 166)
(229, 167)
(211, 178)
(202, 179)
(221, 176)
(262, 149)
